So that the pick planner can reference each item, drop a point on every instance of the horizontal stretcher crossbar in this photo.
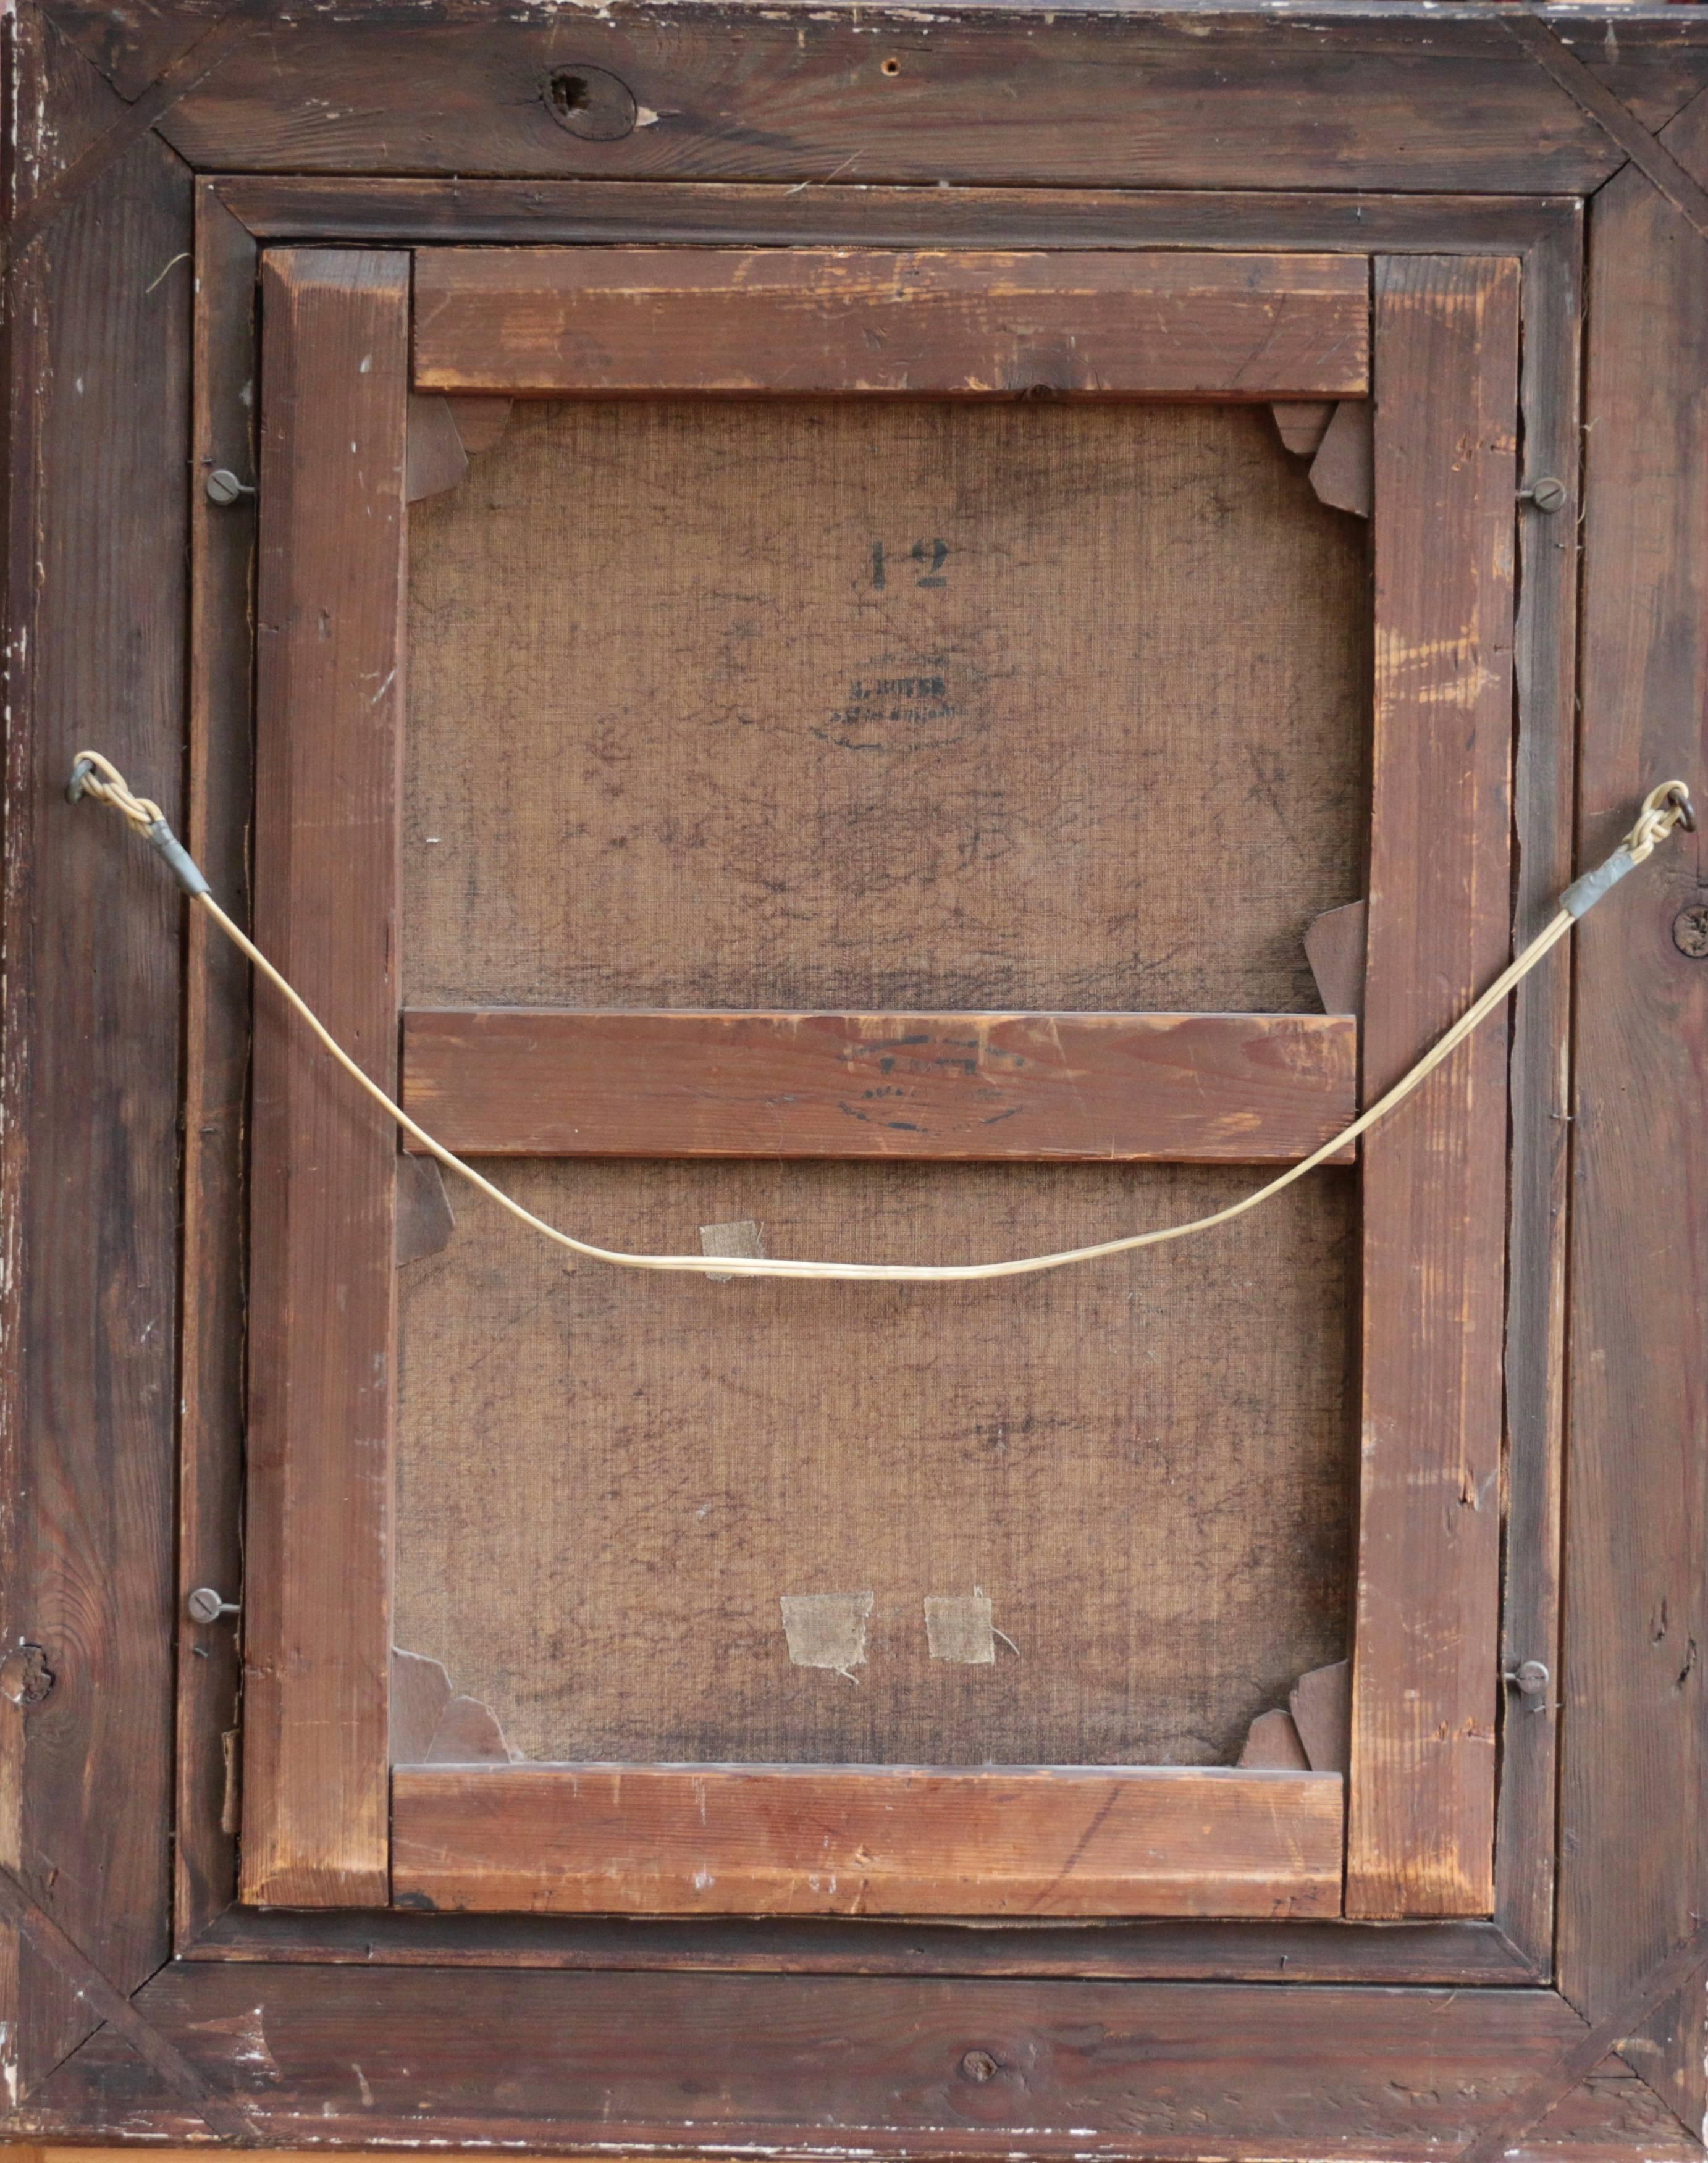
(1029, 1088)
(800, 1840)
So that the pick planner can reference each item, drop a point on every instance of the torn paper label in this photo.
(958, 1628)
(827, 1629)
(742, 1237)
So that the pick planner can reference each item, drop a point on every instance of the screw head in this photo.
(206, 1605)
(1531, 1677)
(1690, 932)
(224, 488)
(979, 2066)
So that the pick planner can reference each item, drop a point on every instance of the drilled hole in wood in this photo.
(891, 66)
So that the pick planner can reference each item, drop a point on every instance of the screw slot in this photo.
(591, 103)
(205, 1604)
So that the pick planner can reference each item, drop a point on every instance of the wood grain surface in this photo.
(1543, 803)
(801, 94)
(1635, 1747)
(382, 210)
(218, 1021)
(780, 1840)
(317, 1635)
(682, 2064)
(1194, 1088)
(98, 410)
(1426, 1641)
(538, 323)
(1180, 1948)
(1333, 102)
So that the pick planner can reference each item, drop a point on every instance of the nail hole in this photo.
(891, 66)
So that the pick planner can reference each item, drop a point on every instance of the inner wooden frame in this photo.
(1421, 1776)
(236, 216)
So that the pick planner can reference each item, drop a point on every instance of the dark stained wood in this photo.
(1610, 2118)
(1682, 1968)
(1216, 100)
(864, 1840)
(1464, 1953)
(1425, 1644)
(1651, 157)
(97, 405)
(406, 213)
(1635, 1714)
(329, 706)
(216, 1058)
(790, 2063)
(1118, 1088)
(61, 1956)
(134, 42)
(59, 182)
(539, 322)
(75, 110)
(1542, 779)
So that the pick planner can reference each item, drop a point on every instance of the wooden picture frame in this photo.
(174, 150)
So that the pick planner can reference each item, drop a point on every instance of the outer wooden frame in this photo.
(556, 2060)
